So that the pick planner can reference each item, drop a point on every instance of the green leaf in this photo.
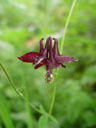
(5, 112)
(43, 121)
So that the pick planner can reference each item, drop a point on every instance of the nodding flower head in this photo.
(48, 56)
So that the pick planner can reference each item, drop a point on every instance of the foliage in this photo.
(22, 24)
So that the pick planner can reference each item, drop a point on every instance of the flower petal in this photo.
(65, 59)
(44, 54)
(39, 65)
(51, 58)
(45, 51)
(55, 48)
(52, 53)
(29, 57)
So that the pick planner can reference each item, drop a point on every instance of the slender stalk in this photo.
(18, 93)
(62, 43)
(21, 95)
(53, 100)
(66, 25)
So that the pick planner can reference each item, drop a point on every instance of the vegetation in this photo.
(22, 24)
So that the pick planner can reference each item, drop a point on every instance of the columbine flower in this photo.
(48, 56)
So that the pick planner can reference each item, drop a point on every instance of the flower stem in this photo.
(21, 95)
(18, 93)
(66, 25)
(62, 43)
(53, 100)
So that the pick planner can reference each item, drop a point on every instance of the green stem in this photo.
(21, 95)
(18, 93)
(53, 100)
(62, 43)
(66, 25)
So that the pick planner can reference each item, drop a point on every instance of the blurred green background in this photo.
(22, 24)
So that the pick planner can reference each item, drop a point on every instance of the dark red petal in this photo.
(65, 59)
(45, 52)
(29, 57)
(52, 61)
(41, 46)
(39, 65)
(55, 49)
(47, 42)
(51, 52)
(54, 65)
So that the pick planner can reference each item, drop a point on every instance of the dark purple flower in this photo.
(48, 56)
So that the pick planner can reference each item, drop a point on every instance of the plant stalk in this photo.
(61, 49)
(66, 25)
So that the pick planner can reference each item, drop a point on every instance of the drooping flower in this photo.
(48, 56)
